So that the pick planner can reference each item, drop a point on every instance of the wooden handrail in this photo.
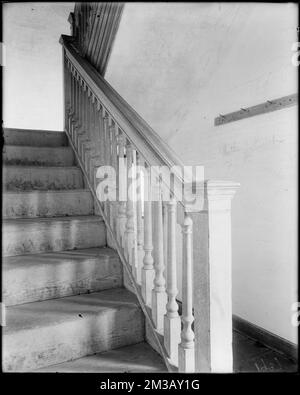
(141, 135)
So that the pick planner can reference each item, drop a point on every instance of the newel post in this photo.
(212, 276)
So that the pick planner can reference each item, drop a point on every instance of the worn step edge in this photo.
(36, 235)
(46, 333)
(35, 167)
(136, 358)
(29, 221)
(17, 155)
(37, 277)
(42, 178)
(48, 138)
(53, 203)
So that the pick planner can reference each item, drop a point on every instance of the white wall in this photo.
(32, 76)
(179, 66)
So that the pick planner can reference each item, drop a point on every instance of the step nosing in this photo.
(85, 253)
(54, 219)
(15, 266)
(64, 147)
(34, 130)
(46, 313)
(40, 167)
(104, 303)
(79, 190)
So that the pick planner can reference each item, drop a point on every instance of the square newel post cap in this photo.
(219, 189)
(203, 193)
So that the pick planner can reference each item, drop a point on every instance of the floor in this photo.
(252, 356)
(248, 356)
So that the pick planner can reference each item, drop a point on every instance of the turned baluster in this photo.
(69, 65)
(113, 163)
(71, 112)
(69, 92)
(83, 137)
(110, 128)
(67, 87)
(92, 148)
(129, 232)
(99, 144)
(94, 158)
(87, 144)
(99, 132)
(122, 190)
(147, 270)
(133, 197)
(159, 296)
(172, 325)
(135, 263)
(139, 217)
(75, 105)
(81, 112)
(186, 349)
(115, 141)
(114, 205)
(165, 236)
(80, 109)
(106, 142)
(77, 125)
(105, 136)
(74, 115)
(81, 132)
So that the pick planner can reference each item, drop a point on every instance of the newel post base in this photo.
(159, 301)
(147, 284)
(172, 328)
(186, 359)
(213, 277)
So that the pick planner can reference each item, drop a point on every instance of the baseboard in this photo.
(265, 337)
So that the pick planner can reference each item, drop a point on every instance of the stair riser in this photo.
(35, 348)
(33, 283)
(57, 236)
(38, 156)
(35, 138)
(28, 178)
(47, 204)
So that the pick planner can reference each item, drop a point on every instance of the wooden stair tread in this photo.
(135, 358)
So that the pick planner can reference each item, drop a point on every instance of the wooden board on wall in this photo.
(268, 106)
(94, 26)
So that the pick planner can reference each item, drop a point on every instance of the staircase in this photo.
(66, 307)
(65, 264)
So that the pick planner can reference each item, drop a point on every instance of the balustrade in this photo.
(105, 131)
